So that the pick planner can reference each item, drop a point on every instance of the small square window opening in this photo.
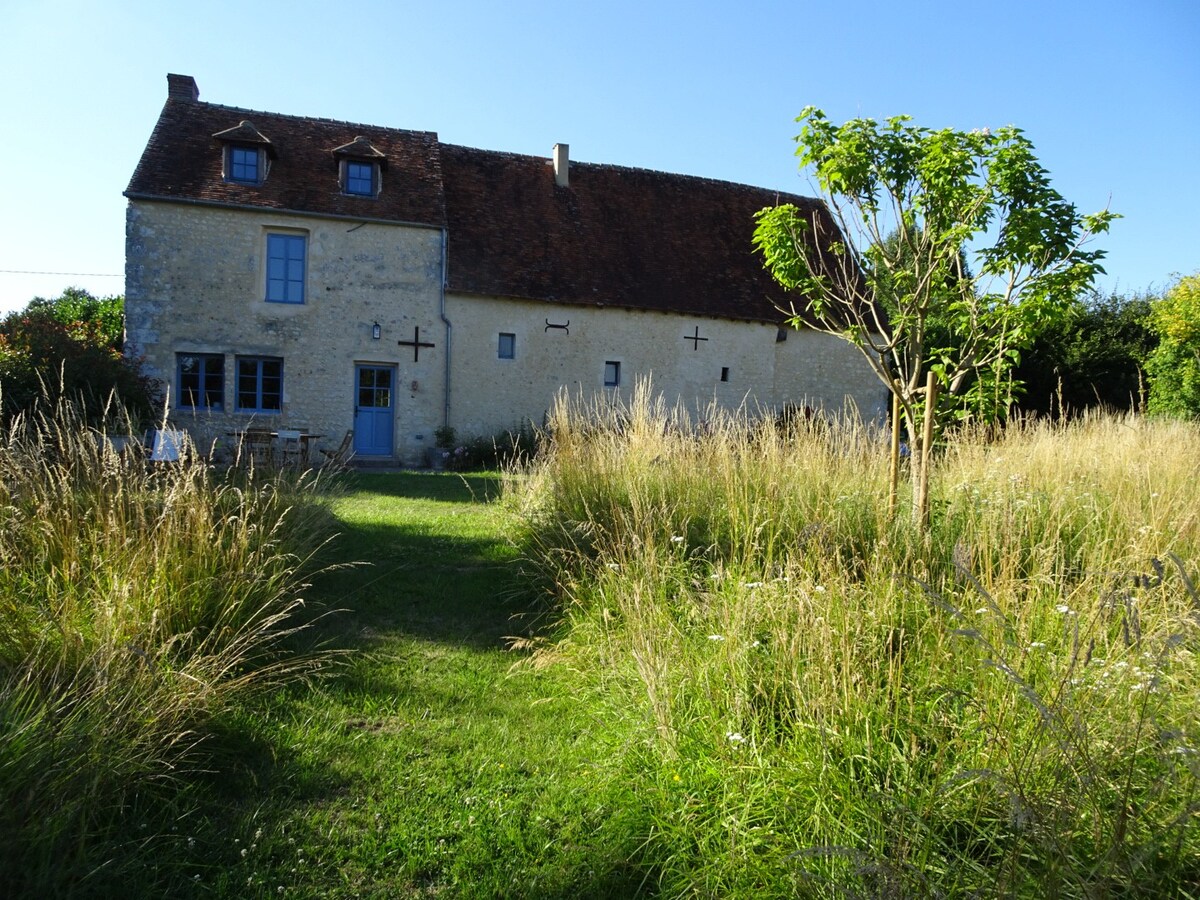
(244, 165)
(507, 346)
(612, 374)
(360, 179)
(724, 373)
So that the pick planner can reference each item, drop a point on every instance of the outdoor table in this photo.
(306, 439)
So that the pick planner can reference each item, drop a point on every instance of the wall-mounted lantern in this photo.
(376, 331)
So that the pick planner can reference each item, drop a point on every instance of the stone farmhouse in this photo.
(302, 272)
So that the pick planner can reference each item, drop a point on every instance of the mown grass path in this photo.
(425, 768)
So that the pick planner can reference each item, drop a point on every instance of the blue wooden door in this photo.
(374, 410)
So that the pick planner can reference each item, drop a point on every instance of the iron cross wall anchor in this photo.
(695, 338)
(416, 343)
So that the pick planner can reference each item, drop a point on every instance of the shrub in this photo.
(1096, 361)
(491, 452)
(1174, 367)
(72, 347)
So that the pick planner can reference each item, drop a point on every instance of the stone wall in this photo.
(195, 283)
(697, 360)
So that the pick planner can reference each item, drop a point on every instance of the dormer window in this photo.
(360, 167)
(360, 178)
(246, 154)
(244, 165)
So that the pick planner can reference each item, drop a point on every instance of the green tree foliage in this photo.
(1174, 366)
(70, 345)
(1096, 359)
(942, 193)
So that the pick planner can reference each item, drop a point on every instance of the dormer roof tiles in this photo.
(183, 161)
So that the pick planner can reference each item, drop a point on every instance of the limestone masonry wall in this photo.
(694, 359)
(196, 284)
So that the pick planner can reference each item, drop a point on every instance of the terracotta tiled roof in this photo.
(183, 161)
(614, 236)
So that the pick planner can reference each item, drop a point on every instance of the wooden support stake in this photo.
(894, 472)
(927, 448)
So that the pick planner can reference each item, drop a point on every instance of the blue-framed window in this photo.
(612, 374)
(201, 380)
(259, 384)
(245, 165)
(360, 178)
(507, 346)
(285, 267)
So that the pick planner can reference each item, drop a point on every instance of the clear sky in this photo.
(1109, 93)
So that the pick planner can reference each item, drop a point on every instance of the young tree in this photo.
(1174, 366)
(942, 194)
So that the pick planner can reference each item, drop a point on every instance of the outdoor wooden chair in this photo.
(258, 444)
(291, 446)
(342, 454)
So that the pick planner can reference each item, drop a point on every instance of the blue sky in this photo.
(1108, 92)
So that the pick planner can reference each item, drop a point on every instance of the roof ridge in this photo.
(241, 110)
(617, 168)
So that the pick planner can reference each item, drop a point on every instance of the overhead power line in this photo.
(86, 274)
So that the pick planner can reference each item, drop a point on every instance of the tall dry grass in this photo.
(137, 602)
(838, 702)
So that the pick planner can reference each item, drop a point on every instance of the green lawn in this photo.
(426, 767)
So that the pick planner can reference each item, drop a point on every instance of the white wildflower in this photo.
(677, 539)
(734, 737)
(716, 637)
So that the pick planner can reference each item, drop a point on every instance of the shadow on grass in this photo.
(448, 487)
(443, 575)
(402, 718)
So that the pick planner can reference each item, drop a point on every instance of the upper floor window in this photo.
(360, 164)
(285, 267)
(245, 165)
(360, 178)
(508, 346)
(246, 151)
(201, 380)
(612, 374)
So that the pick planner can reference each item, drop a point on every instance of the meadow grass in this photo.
(427, 768)
(736, 674)
(137, 604)
(840, 703)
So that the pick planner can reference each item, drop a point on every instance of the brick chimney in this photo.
(182, 87)
(562, 161)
